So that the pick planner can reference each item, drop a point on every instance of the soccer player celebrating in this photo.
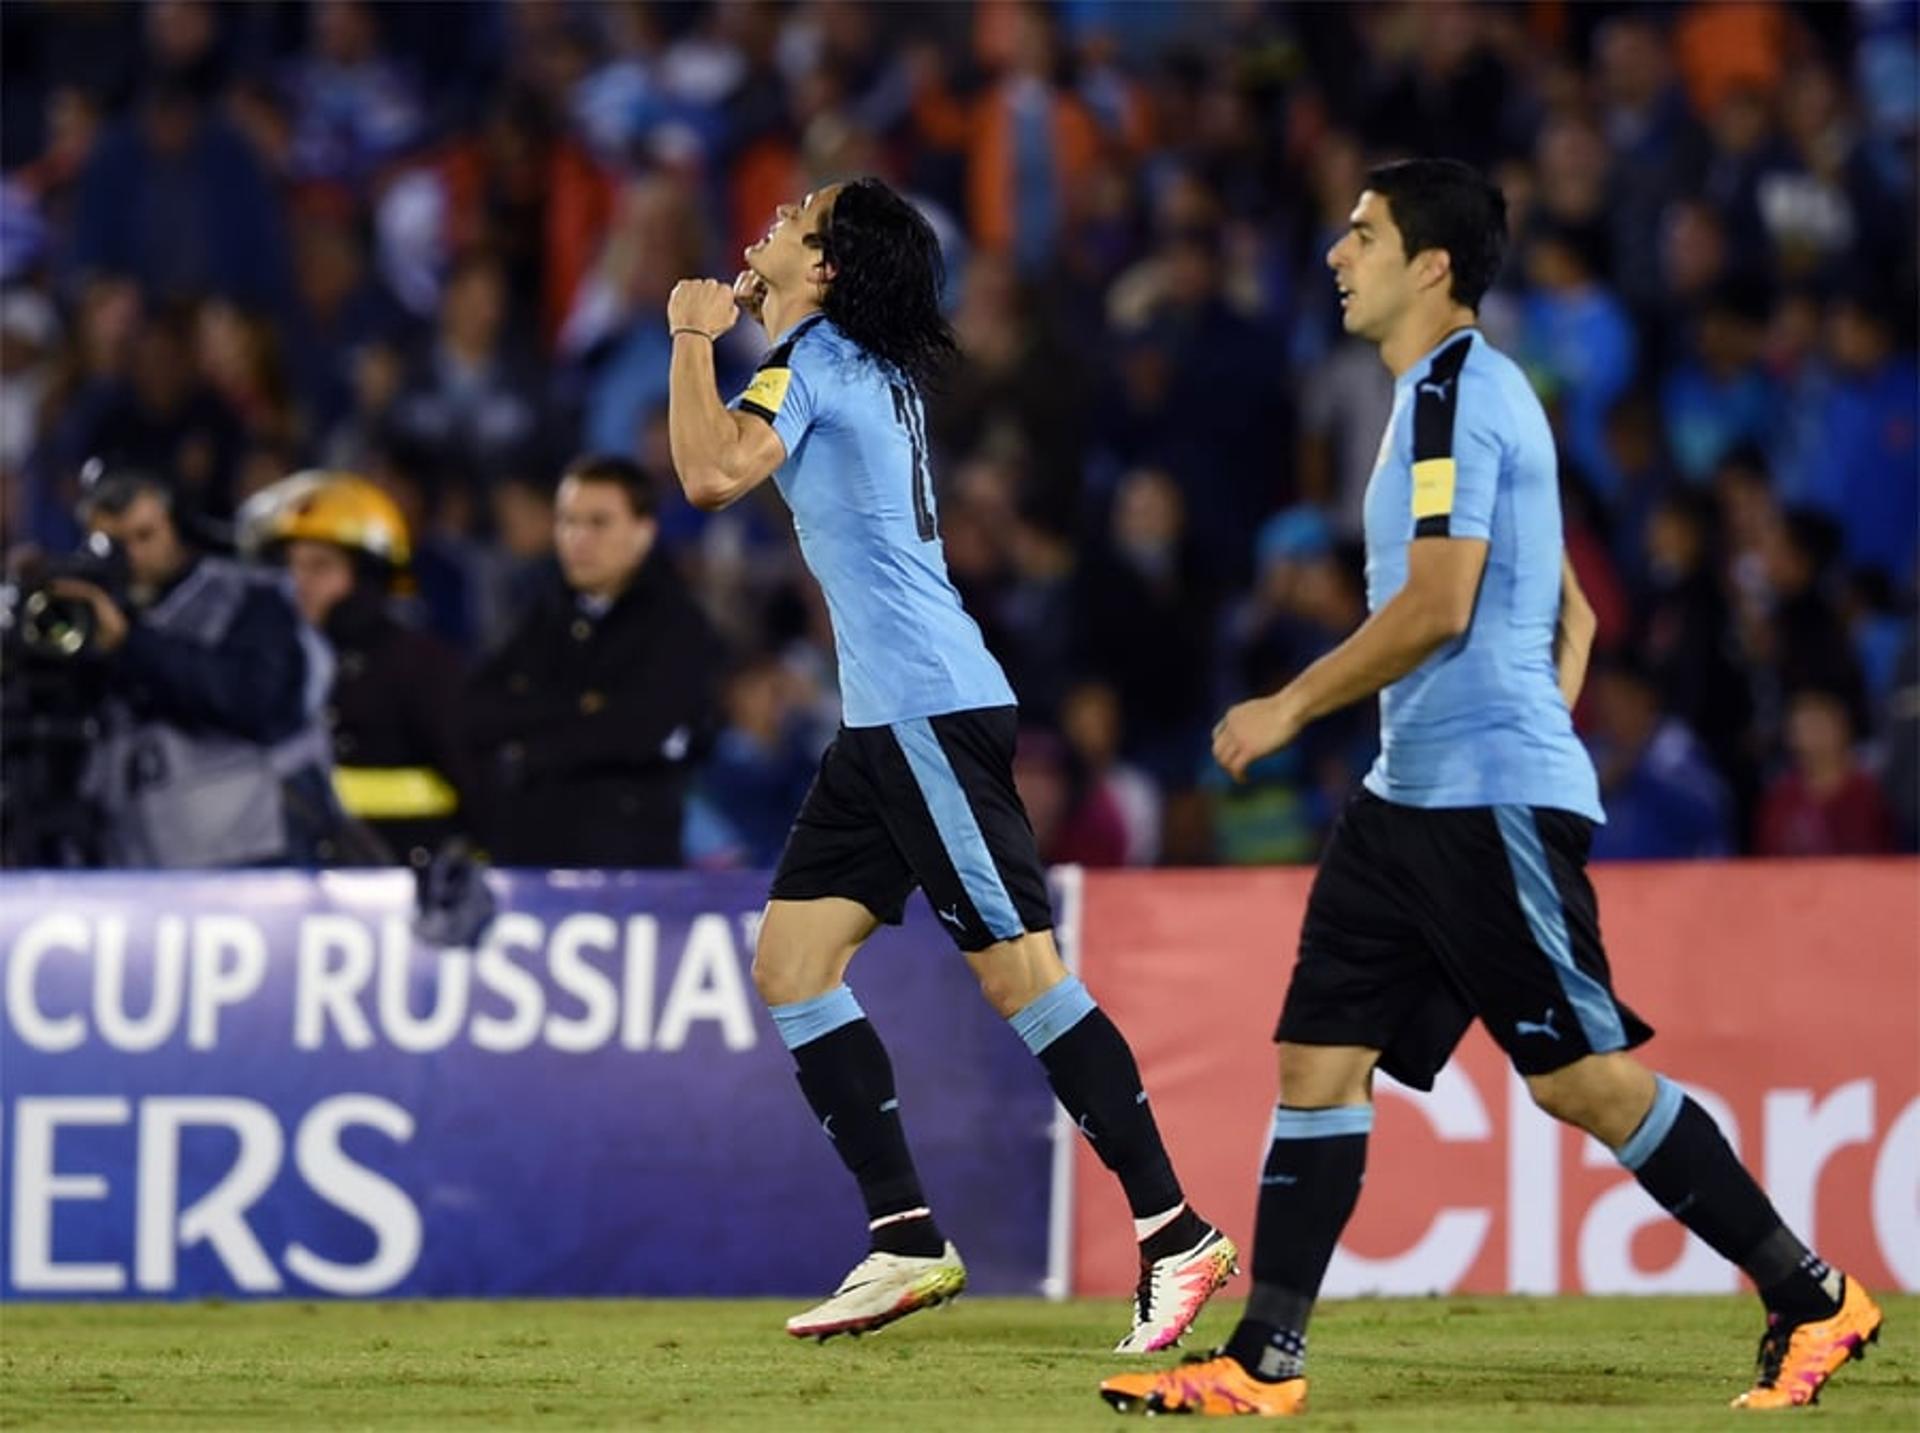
(1455, 883)
(917, 787)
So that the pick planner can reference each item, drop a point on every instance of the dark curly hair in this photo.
(887, 276)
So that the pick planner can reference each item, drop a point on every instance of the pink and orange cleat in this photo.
(1215, 1387)
(1797, 1360)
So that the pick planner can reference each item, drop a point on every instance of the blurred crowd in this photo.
(430, 244)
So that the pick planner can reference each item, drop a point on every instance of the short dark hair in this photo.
(109, 488)
(1444, 204)
(623, 473)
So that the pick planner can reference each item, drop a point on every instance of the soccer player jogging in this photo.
(1455, 883)
(917, 787)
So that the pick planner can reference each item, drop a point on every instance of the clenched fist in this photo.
(705, 304)
(750, 292)
(1251, 730)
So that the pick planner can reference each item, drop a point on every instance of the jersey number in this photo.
(907, 413)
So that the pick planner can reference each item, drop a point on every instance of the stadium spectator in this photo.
(50, 183)
(29, 349)
(763, 760)
(1028, 141)
(1273, 627)
(1578, 345)
(1717, 397)
(1442, 86)
(1694, 262)
(376, 370)
(239, 360)
(1637, 457)
(1090, 719)
(353, 107)
(1826, 804)
(1197, 400)
(1037, 608)
(1344, 403)
(1658, 146)
(470, 402)
(338, 309)
(1806, 642)
(1826, 209)
(587, 721)
(614, 328)
(91, 376)
(1865, 446)
(1074, 821)
(164, 418)
(393, 711)
(1682, 633)
(1146, 605)
(1663, 799)
(523, 559)
(1020, 387)
(176, 199)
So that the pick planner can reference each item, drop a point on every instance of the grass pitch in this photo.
(1565, 1364)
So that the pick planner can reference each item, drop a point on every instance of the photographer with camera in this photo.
(210, 750)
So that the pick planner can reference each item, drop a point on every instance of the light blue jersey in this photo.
(858, 482)
(1481, 722)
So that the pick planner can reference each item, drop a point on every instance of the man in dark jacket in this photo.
(587, 716)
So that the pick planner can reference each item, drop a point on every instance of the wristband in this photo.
(676, 332)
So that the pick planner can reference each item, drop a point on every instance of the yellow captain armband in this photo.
(1433, 487)
(767, 391)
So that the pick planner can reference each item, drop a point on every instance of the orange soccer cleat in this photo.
(1797, 1360)
(1216, 1387)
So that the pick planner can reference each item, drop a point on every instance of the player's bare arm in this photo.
(1434, 608)
(719, 455)
(1573, 637)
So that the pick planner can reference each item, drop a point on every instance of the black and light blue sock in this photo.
(1680, 1157)
(1309, 1185)
(1093, 1074)
(848, 1079)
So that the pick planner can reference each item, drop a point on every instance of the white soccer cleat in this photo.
(1173, 1290)
(880, 1289)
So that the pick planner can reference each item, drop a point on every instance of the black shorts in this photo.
(1421, 920)
(929, 803)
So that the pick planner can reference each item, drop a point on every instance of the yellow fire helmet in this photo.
(314, 506)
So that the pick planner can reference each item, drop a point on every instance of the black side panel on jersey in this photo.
(1436, 397)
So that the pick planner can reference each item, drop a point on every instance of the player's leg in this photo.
(1184, 1260)
(1540, 978)
(1364, 984)
(1817, 1318)
(953, 809)
(839, 878)
(843, 1068)
(1090, 1067)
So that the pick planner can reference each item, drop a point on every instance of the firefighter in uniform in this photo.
(393, 712)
